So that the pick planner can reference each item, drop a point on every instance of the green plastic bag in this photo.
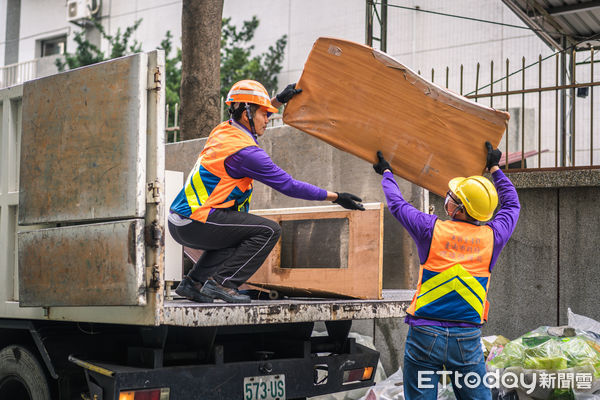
(540, 351)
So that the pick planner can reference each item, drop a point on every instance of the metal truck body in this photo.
(84, 296)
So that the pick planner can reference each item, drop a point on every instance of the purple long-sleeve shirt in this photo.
(420, 225)
(253, 162)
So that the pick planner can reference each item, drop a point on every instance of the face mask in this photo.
(449, 199)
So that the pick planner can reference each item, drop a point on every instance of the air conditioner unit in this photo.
(78, 10)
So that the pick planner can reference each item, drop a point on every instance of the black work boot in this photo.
(190, 289)
(216, 291)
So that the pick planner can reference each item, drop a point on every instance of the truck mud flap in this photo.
(312, 375)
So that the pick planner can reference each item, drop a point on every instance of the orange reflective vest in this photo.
(209, 185)
(454, 280)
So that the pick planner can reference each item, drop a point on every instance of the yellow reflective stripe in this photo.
(457, 270)
(190, 195)
(247, 201)
(440, 278)
(466, 294)
(453, 285)
(434, 288)
(434, 294)
(200, 188)
(475, 285)
(191, 198)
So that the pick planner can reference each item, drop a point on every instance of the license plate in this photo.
(266, 387)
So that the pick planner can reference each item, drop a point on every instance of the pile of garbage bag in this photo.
(548, 363)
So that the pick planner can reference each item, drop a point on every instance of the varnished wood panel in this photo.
(361, 100)
(362, 278)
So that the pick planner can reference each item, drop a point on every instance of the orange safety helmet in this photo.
(249, 91)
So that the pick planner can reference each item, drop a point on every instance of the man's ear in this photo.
(244, 116)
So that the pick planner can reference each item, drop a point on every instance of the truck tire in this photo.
(22, 377)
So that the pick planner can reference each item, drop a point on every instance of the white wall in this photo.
(3, 5)
(158, 16)
(303, 22)
(41, 19)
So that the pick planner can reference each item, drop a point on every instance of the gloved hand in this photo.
(493, 156)
(349, 201)
(287, 93)
(382, 165)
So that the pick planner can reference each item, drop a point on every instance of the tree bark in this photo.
(200, 67)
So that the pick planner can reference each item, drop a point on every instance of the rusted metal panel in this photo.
(83, 149)
(83, 265)
(187, 313)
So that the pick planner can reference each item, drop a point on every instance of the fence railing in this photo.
(15, 74)
(172, 130)
(551, 101)
(552, 106)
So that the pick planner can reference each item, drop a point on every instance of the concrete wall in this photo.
(551, 262)
(309, 159)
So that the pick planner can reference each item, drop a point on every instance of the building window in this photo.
(54, 46)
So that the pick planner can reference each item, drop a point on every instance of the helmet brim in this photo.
(271, 109)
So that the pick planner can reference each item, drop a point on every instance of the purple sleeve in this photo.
(255, 163)
(503, 224)
(418, 224)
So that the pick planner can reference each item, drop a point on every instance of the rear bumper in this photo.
(226, 380)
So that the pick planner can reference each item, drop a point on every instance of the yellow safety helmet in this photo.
(477, 194)
(249, 91)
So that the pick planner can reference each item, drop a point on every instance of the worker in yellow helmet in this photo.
(211, 210)
(457, 257)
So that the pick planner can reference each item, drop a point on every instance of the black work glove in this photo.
(493, 156)
(349, 201)
(287, 93)
(382, 165)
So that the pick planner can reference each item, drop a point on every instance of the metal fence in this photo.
(15, 74)
(172, 131)
(551, 102)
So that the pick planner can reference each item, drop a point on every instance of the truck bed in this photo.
(181, 312)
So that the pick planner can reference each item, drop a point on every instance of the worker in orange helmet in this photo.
(457, 257)
(211, 210)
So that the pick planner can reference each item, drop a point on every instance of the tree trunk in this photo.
(200, 67)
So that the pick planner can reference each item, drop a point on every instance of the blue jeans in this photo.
(430, 348)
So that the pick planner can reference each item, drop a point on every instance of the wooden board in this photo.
(361, 100)
(360, 276)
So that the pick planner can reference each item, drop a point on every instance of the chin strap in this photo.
(250, 119)
(456, 210)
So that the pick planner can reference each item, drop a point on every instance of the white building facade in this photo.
(423, 35)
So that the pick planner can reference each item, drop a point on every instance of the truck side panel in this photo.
(82, 158)
(91, 150)
(63, 267)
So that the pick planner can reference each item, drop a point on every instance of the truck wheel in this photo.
(21, 375)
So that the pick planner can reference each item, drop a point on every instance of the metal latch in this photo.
(153, 192)
(155, 281)
(154, 235)
(154, 79)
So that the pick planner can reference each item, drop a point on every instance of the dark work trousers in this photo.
(235, 245)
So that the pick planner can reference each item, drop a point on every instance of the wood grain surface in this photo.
(360, 278)
(361, 100)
